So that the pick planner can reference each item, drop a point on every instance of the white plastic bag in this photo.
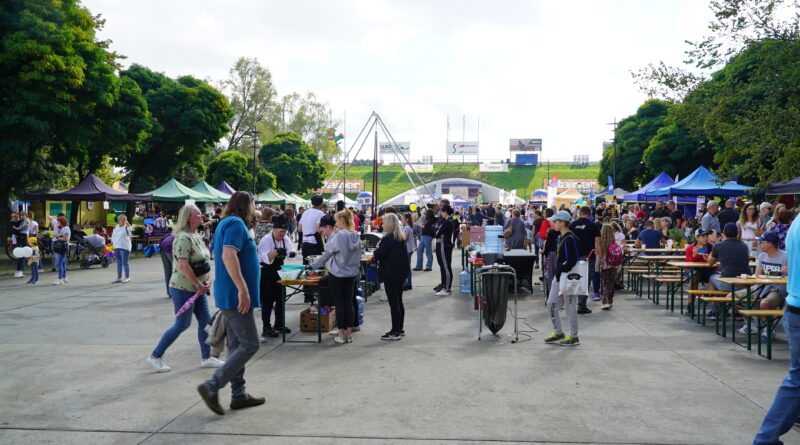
(576, 281)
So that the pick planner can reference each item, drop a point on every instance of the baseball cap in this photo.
(730, 230)
(327, 220)
(702, 232)
(770, 237)
(561, 215)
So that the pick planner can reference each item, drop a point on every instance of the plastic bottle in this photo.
(465, 281)
(360, 303)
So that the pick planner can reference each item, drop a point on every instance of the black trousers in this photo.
(308, 249)
(444, 257)
(394, 290)
(342, 293)
(269, 296)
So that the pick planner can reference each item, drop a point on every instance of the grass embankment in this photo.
(525, 179)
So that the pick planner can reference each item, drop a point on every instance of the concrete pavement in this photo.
(74, 372)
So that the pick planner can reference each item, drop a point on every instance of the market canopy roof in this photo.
(784, 188)
(205, 188)
(174, 191)
(90, 189)
(271, 197)
(298, 200)
(660, 181)
(700, 182)
(571, 194)
(224, 187)
(341, 197)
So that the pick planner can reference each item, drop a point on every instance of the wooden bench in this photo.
(692, 302)
(722, 310)
(766, 320)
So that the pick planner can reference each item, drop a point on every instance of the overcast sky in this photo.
(556, 70)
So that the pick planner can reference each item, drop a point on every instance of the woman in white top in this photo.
(121, 238)
(751, 226)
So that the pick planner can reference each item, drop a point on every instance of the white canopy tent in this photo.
(341, 197)
(418, 195)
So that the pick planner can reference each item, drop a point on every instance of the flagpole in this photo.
(478, 155)
(463, 133)
(447, 142)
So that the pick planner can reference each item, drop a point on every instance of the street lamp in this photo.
(254, 133)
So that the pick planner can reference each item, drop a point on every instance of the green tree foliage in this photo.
(311, 119)
(188, 118)
(294, 163)
(676, 149)
(252, 97)
(632, 139)
(237, 170)
(57, 78)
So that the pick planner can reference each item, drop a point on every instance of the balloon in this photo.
(17, 252)
(27, 252)
(413, 207)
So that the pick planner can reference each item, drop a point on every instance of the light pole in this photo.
(614, 165)
(254, 133)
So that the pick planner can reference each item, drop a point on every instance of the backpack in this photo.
(614, 255)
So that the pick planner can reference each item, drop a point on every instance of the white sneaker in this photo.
(126, 280)
(384, 298)
(18, 274)
(118, 280)
(340, 340)
(65, 280)
(442, 293)
(57, 283)
(334, 331)
(211, 362)
(158, 365)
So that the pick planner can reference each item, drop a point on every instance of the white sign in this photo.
(90, 205)
(419, 168)
(462, 148)
(105, 205)
(388, 148)
(701, 200)
(493, 168)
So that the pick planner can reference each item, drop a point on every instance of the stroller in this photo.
(93, 250)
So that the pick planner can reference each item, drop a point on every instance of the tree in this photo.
(676, 149)
(294, 163)
(54, 71)
(189, 117)
(632, 139)
(237, 170)
(252, 97)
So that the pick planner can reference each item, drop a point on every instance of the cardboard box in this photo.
(308, 321)
(465, 237)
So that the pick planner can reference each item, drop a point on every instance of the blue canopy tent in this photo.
(700, 182)
(687, 204)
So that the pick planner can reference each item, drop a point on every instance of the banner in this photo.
(387, 148)
(552, 190)
(335, 186)
(493, 168)
(525, 145)
(462, 148)
(419, 168)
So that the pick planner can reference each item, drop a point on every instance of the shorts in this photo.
(774, 298)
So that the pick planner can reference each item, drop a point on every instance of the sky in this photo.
(558, 70)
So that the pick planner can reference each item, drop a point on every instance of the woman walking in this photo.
(236, 281)
(394, 263)
(426, 241)
(121, 238)
(342, 257)
(610, 257)
(60, 250)
(190, 257)
(408, 234)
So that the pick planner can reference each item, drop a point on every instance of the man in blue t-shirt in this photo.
(650, 237)
(236, 285)
(786, 406)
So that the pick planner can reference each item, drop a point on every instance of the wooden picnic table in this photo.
(659, 250)
(747, 283)
(294, 284)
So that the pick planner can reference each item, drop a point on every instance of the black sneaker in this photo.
(570, 341)
(438, 287)
(584, 310)
(270, 333)
(405, 288)
(416, 269)
(391, 336)
(711, 316)
(402, 333)
(247, 401)
(428, 270)
(211, 401)
(283, 329)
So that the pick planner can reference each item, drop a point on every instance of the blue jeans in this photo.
(786, 407)
(720, 285)
(407, 282)
(61, 264)
(122, 262)
(425, 246)
(182, 323)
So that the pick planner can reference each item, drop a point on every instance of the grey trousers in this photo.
(570, 306)
(242, 342)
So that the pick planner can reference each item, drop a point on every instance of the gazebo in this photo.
(205, 188)
(174, 191)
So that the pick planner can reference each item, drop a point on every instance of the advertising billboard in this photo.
(335, 186)
(462, 148)
(525, 145)
(387, 148)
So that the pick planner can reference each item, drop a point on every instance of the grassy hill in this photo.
(525, 179)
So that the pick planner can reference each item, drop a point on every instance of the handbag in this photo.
(59, 247)
(200, 267)
(576, 281)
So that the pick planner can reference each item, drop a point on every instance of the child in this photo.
(610, 258)
(567, 255)
(33, 261)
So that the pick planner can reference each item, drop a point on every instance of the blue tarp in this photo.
(700, 182)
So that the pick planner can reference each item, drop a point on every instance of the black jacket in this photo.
(444, 231)
(429, 229)
(392, 256)
(568, 253)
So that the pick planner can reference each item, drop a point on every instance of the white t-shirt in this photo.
(34, 230)
(267, 245)
(310, 223)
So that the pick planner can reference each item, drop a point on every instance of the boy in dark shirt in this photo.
(588, 234)
(567, 257)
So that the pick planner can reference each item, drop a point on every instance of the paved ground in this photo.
(73, 371)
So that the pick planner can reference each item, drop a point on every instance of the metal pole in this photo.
(255, 160)
(375, 173)
(614, 173)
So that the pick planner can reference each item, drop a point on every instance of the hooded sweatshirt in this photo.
(342, 255)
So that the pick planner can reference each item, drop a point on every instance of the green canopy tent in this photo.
(174, 191)
(299, 201)
(205, 188)
(271, 197)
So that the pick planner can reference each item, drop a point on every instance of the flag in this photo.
(553, 181)
(610, 186)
